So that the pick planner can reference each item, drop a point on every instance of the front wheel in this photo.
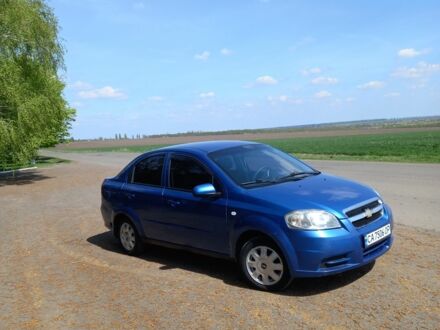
(263, 265)
(129, 238)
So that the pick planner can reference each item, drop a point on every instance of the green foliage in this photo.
(33, 112)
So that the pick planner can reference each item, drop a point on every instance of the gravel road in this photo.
(60, 268)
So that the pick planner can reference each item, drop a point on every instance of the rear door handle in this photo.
(173, 202)
(130, 195)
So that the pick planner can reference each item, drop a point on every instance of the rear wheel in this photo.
(129, 238)
(263, 265)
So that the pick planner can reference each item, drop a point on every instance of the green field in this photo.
(400, 147)
(420, 147)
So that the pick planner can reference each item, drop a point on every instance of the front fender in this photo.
(269, 228)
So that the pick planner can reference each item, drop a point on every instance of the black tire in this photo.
(126, 230)
(255, 244)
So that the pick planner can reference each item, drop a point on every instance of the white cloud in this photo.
(418, 85)
(139, 5)
(156, 98)
(322, 94)
(311, 71)
(350, 99)
(324, 81)
(375, 84)
(421, 70)
(226, 51)
(206, 95)
(392, 94)
(203, 56)
(106, 92)
(284, 99)
(281, 98)
(87, 91)
(266, 80)
(80, 85)
(411, 52)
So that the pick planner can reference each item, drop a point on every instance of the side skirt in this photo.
(187, 248)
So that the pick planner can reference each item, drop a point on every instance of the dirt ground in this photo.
(245, 136)
(60, 268)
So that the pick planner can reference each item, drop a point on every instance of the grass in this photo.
(39, 162)
(418, 147)
(42, 161)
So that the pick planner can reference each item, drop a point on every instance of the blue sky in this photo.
(164, 66)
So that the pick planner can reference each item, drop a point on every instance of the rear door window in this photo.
(149, 171)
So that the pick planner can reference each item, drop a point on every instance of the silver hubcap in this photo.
(127, 236)
(264, 265)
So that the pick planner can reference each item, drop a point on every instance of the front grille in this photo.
(361, 209)
(366, 221)
(364, 213)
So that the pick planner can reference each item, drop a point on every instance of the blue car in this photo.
(275, 215)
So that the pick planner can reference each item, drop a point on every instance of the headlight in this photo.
(311, 220)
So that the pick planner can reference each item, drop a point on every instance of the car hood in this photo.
(323, 191)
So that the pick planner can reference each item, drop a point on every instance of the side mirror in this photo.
(205, 190)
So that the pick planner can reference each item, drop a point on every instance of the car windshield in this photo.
(257, 164)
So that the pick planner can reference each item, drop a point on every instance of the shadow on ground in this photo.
(22, 178)
(43, 161)
(227, 270)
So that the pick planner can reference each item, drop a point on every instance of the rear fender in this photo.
(130, 215)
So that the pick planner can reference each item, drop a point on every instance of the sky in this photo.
(153, 67)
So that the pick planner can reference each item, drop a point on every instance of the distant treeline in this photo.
(431, 121)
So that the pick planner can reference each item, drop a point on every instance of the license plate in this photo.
(377, 235)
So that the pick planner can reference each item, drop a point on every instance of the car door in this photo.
(198, 222)
(144, 193)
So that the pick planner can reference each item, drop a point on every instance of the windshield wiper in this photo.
(286, 177)
(259, 181)
(297, 174)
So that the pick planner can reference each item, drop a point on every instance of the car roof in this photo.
(207, 146)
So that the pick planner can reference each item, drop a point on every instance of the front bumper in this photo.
(327, 252)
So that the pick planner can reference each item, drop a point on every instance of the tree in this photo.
(33, 112)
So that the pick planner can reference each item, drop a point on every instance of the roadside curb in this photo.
(18, 170)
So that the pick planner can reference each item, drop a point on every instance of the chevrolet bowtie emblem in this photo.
(368, 213)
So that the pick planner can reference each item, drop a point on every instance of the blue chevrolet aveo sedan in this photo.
(275, 215)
